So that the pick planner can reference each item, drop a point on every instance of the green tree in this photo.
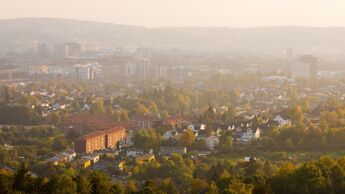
(147, 139)
(118, 188)
(22, 179)
(83, 184)
(153, 108)
(100, 183)
(227, 145)
(131, 187)
(309, 180)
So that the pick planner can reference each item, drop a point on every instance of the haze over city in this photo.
(157, 13)
(172, 97)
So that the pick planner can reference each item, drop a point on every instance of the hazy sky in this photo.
(234, 13)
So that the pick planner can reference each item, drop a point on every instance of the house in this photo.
(170, 134)
(281, 121)
(62, 157)
(212, 142)
(86, 107)
(134, 152)
(69, 155)
(246, 135)
(94, 158)
(248, 159)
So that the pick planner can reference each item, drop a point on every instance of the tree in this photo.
(331, 118)
(65, 185)
(324, 125)
(227, 145)
(100, 183)
(9, 93)
(309, 180)
(153, 108)
(284, 181)
(6, 182)
(54, 118)
(197, 186)
(131, 187)
(59, 143)
(141, 110)
(338, 179)
(97, 106)
(83, 184)
(116, 115)
(297, 117)
(209, 116)
(187, 138)
(212, 189)
(147, 139)
(165, 114)
(118, 188)
(45, 169)
(22, 179)
(229, 115)
(168, 186)
(150, 187)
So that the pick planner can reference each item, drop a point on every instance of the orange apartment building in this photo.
(99, 140)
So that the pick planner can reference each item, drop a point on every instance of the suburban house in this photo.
(94, 158)
(212, 142)
(170, 134)
(246, 135)
(281, 121)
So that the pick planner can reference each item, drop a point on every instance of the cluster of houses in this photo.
(242, 132)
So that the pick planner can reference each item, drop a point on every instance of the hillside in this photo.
(25, 33)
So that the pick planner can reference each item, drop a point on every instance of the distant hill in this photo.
(25, 33)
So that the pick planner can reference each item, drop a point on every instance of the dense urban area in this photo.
(76, 118)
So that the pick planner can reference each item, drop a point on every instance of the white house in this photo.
(169, 134)
(70, 155)
(212, 142)
(248, 135)
(281, 121)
